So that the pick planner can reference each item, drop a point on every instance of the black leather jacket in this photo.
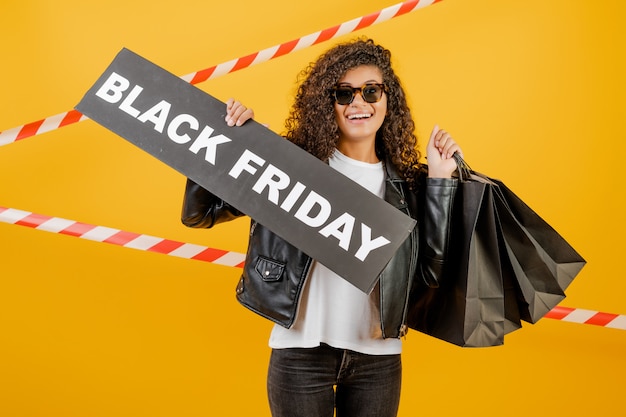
(275, 271)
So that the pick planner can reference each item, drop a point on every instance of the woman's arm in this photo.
(438, 201)
(201, 208)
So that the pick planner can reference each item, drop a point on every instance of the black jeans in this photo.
(301, 383)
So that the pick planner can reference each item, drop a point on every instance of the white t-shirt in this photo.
(332, 310)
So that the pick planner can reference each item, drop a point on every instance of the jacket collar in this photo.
(390, 171)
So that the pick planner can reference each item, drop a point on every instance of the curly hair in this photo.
(311, 123)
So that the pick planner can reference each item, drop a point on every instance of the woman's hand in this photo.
(236, 113)
(439, 153)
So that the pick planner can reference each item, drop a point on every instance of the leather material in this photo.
(202, 209)
(275, 271)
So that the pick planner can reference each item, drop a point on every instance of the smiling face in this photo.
(359, 121)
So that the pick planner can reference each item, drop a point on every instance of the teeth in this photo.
(359, 116)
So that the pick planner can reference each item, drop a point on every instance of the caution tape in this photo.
(221, 257)
(120, 237)
(309, 40)
(41, 126)
(596, 318)
(65, 119)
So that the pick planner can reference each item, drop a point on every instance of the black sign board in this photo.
(297, 196)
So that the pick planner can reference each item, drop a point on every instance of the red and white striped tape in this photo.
(596, 318)
(72, 116)
(309, 40)
(222, 257)
(41, 126)
(120, 237)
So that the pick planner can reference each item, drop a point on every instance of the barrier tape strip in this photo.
(73, 116)
(309, 40)
(121, 238)
(221, 257)
(596, 318)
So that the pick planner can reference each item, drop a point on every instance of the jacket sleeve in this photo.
(202, 209)
(438, 202)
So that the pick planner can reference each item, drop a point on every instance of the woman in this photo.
(332, 345)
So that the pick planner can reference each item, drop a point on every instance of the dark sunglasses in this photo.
(371, 93)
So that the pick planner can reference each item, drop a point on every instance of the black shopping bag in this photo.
(468, 307)
(533, 263)
(544, 263)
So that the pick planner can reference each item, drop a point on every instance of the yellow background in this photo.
(533, 90)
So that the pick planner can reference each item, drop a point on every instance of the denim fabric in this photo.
(311, 382)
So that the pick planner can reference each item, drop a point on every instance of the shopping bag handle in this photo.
(463, 168)
(466, 173)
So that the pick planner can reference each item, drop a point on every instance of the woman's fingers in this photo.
(445, 144)
(236, 113)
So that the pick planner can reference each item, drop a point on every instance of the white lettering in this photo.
(368, 245)
(275, 180)
(303, 213)
(127, 104)
(112, 89)
(314, 211)
(172, 129)
(243, 164)
(344, 221)
(157, 114)
(293, 196)
(210, 143)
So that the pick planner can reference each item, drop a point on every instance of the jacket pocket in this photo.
(268, 269)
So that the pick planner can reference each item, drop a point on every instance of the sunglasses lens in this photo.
(372, 93)
(344, 95)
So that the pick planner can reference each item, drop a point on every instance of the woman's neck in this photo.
(360, 151)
